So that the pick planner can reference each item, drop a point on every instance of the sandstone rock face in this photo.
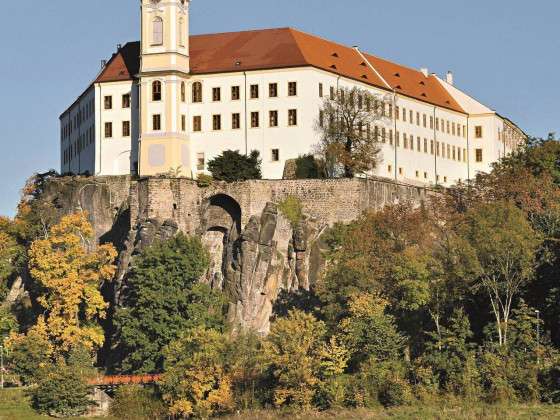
(255, 252)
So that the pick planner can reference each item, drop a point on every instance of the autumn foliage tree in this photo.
(70, 276)
(349, 135)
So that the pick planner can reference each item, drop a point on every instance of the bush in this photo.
(135, 402)
(232, 166)
(307, 167)
(204, 181)
(61, 391)
(292, 209)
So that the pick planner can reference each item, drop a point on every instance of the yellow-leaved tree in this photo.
(70, 276)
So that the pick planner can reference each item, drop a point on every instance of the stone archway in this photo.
(222, 227)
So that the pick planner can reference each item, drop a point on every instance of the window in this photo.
(425, 145)
(216, 94)
(445, 179)
(448, 127)
(200, 161)
(478, 132)
(275, 155)
(405, 141)
(478, 155)
(292, 88)
(254, 91)
(235, 95)
(156, 122)
(272, 90)
(321, 118)
(390, 114)
(197, 123)
(417, 174)
(418, 146)
(453, 128)
(459, 154)
(389, 168)
(425, 175)
(254, 120)
(404, 114)
(108, 102)
(108, 130)
(320, 90)
(424, 120)
(332, 93)
(126, 101)
(235, 121)
(432, 123)
(197, 92)
(437, 123)
(157, 31)
(401, 171)
(418, 119)
(156, 91)
(273, 118)
(216, 122)
(183, 92)
(397, 113)
(183, 123)
(126, 129)
(292, 117)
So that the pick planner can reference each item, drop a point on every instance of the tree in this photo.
(62, 388)
(163, 299)
(291, 354)
(307, 167)
(349, 135)
(71, 278)
(504, 249)
(368, 332)
(197, 381)
(232, 166)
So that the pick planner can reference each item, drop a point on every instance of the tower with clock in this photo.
(164, 76)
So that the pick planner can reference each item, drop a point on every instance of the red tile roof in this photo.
(285, 48)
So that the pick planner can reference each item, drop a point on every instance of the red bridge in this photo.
(118, 380)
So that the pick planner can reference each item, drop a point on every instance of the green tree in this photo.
(62, 390)
(232, 166)
(369, 332)
(163, 298)
(8, 322)
(505, 246)
(197, 381)
(451, 356)
(307, 167)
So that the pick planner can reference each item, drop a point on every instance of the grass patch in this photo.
(15, 405)
(292, 209)
(461, 411)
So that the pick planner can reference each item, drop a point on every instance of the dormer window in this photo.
(157, 31)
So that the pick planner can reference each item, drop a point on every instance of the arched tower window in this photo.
(156, 91)
(157, 31)
(183, 93)
(197, 92)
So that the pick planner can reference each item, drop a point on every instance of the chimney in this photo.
(103, 64)
(449, 77)
(119, 46)
(424, 71)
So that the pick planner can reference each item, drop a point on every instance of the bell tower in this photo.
(164, 72)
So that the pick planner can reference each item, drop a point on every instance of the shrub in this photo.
(204, 181)
(232, 166)
(292, 209)
(61, 391)
(135, 402)
(307, 167)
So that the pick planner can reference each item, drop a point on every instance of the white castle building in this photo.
(173, 101)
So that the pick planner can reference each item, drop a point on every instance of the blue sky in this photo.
(506, 53)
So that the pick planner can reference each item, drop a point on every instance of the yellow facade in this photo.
(164, 146)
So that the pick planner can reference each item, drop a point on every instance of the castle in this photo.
(172, 102)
